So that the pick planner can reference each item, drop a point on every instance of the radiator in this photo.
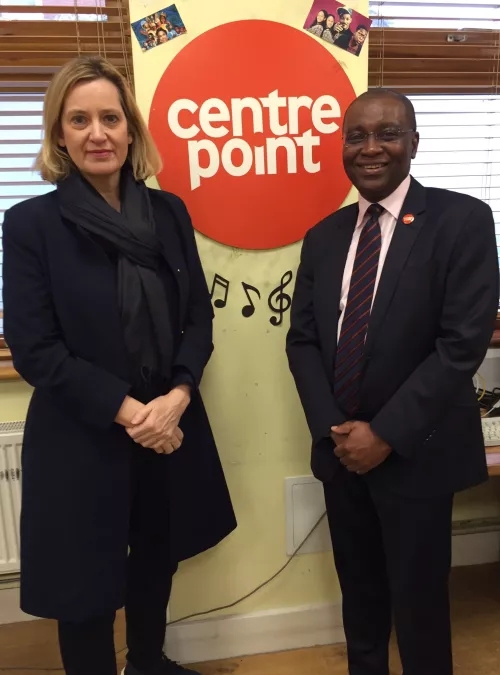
(11, 438)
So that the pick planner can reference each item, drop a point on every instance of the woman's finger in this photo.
(179, 434)
(141, 416)
(168, 448)
(150, 434)
(141, 430)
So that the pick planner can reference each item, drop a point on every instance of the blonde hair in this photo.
(52, 161)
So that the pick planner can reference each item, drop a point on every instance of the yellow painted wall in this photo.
(14, 400)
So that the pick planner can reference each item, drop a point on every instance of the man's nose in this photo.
(372, 145)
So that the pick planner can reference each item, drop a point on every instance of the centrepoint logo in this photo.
(260, 159)
(247, 118)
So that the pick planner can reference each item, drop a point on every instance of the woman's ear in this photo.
(60, 138)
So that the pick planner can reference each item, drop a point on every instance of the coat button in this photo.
(179, 271)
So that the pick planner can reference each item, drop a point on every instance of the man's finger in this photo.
(340, 451)
(352, 467)
(343, 429)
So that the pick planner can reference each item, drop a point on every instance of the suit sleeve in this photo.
(467, 320)
(197, 338)
(40, 356)
(305, 358)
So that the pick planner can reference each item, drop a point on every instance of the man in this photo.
(392, 314)
(356, 42)
(341, 27)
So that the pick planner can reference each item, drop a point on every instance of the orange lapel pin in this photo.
(408, 219)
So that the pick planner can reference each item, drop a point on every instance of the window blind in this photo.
(460, 147)
(20, 138)
(38, 36)
(445, 47)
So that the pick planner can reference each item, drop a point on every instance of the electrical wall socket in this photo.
(305, 502)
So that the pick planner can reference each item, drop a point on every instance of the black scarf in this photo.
(142, 298)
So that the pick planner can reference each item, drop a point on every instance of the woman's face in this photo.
(162, 36)
(321, 17)
(94, 129)
(330, 21)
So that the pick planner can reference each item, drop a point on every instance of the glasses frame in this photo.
(401, 133)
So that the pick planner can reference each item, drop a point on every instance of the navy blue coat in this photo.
(63, 326)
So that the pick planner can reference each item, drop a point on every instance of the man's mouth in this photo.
(376, 167)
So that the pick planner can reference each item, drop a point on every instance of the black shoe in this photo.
(166, 667)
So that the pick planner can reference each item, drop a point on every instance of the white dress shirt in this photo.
(392, 205)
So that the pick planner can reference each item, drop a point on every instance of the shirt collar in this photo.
(392, 204)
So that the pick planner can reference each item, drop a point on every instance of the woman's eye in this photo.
(78, 119)
(111, 119)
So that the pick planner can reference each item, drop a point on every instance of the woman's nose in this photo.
(97, 133)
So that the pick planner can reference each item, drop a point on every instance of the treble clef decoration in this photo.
(279, 301)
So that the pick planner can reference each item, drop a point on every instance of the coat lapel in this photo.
(402, 243)
(169, 233)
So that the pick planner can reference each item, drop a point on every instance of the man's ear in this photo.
(414, 143)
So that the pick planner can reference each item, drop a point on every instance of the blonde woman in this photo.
(108, 316)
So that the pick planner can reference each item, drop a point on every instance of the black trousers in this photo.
(88, 648)
(393, 558)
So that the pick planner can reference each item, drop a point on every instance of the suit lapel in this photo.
(402, 243)
(337, 252)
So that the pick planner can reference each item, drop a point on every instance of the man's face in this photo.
(376, 168)
(345, 20)
(360, 36)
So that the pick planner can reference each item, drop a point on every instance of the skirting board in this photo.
(231, 636)
(226, 637)
(9, 607)
(475, 549)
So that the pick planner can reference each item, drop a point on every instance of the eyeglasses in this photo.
(385, 136)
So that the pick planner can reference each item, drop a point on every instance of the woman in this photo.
(108, 316)
(318, 26)
(329, 33)
(161, 36)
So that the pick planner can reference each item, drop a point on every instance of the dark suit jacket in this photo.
(429, 330)
(63, 326)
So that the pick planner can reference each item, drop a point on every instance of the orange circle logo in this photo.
(248, 120)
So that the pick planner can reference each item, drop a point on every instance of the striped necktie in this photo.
(350, 348)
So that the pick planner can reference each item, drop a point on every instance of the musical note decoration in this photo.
(220, 303)
(249, 310)
(279, 301)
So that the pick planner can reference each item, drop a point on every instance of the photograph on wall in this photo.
(158, 28)
(338, 25)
